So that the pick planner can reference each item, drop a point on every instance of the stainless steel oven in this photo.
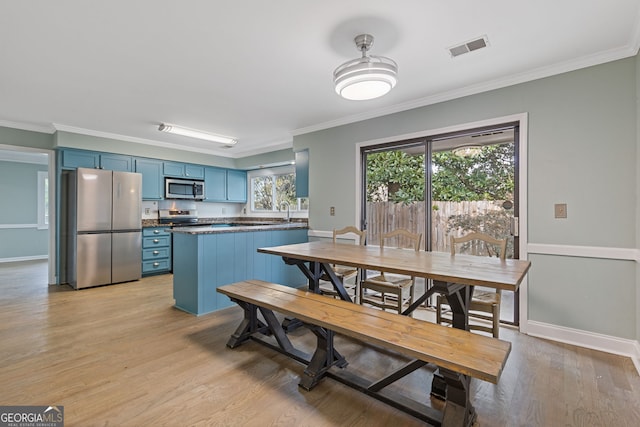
(189, 189)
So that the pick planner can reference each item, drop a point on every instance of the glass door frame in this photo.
(428, 148)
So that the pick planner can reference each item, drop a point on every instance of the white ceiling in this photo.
(261, 71)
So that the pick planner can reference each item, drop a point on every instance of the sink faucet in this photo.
(288, 210)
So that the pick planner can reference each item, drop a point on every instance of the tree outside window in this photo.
(272, 190)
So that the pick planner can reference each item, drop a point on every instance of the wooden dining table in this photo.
(452, 275)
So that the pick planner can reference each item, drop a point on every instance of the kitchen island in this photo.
(209, 256)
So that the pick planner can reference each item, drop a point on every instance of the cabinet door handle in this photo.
(156, 241)
(156, 264)
(156, 231)
(156, 252)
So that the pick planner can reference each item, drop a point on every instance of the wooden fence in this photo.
(383, 217)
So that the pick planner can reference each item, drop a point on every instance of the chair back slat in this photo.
(488, 241)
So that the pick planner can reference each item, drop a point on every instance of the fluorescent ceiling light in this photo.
(191, 133)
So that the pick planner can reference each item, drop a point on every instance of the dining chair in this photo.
(388, 290)
(485, 303)
(344, 272)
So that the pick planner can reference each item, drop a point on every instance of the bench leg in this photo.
(324, 357)
(458, 410)
(249, 325)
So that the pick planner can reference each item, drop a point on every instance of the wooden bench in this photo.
(459, 354)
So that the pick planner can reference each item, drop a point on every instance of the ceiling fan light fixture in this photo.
(467, 150)
(365, 78)
(192, 133)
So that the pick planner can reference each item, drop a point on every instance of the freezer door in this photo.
(127, 256)
(127, 201)
(94, 199)
(93, 265)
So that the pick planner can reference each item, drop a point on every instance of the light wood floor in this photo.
(121, 355)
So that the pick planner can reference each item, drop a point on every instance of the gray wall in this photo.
(581, 151)
(19, 195)
(24, 138)
(279, 157)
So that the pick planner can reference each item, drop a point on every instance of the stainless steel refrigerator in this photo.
(101, 227)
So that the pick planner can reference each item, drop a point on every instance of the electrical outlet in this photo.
(224, 211)
(332, 211)
(560, 210)
(147, 211)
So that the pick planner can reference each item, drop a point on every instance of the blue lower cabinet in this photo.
(156, 251)
(206, 261)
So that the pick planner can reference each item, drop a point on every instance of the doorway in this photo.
(36, 202)
(443, 185)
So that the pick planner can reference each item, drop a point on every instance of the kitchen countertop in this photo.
(229, 225)
(239, 227)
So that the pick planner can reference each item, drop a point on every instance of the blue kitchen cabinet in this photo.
(236, 186)
(73, 159)
(116, 162)
(205, 261)
(215, 184)
(194, 171)
(183, 170)
(302, 173)
(156, 251)
(152, 179)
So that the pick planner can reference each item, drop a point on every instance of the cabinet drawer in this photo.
(155, 254)
(158, 265)
(150, 242)
(147, 232)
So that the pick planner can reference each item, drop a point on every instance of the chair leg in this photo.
(438, 308)
(496, 320)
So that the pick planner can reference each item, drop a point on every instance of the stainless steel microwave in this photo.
(190, 189)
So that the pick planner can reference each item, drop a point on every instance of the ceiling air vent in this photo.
(469, 46)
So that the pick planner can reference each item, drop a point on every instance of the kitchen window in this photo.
(272, 189)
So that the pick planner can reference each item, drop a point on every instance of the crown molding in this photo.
(100, 134)
(27, 126)
(535, 74)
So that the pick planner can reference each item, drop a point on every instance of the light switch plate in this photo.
(560, 210)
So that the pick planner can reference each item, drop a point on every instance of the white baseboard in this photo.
(24, 258)
(606, 343)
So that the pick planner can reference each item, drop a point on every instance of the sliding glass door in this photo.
(445, 185)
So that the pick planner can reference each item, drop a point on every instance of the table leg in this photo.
(458, 297)
(313, 273)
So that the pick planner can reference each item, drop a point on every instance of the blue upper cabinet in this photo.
(73, 159)
(194, 171)
(221, 185)
(116, 162)
(215, 184)
(236, 186)
(152, 179)
(183, 170)
(302, 173)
